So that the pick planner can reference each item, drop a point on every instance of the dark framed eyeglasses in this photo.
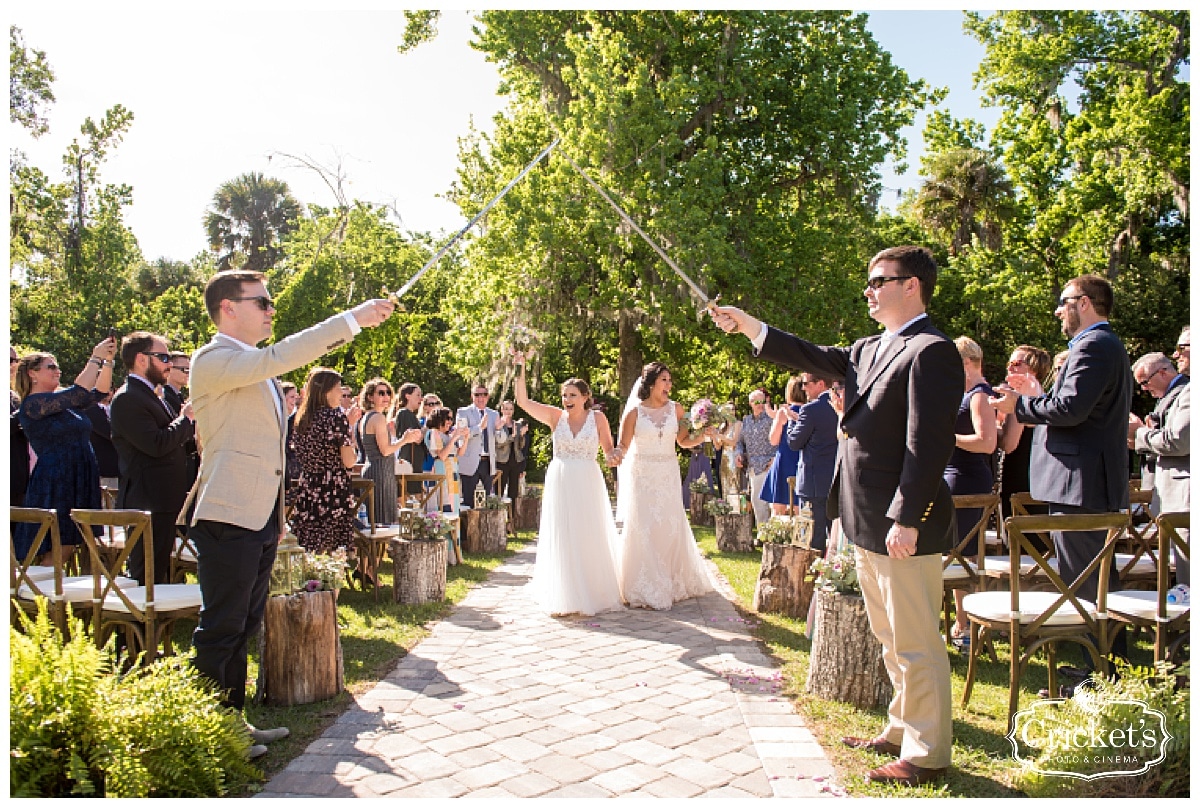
(480, 395)
(1065, 299)
(878, 281)
(383, 392)
(182, 370)
(262, 301)
(163, 357)
(50, 366)
(1145, 384)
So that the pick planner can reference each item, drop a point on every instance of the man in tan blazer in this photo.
(241, 422)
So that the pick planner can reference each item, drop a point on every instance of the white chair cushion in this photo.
(1141, 604)
(76, 589)
(1002, 565)
(955, 572)
(996, 606)
(167, 598)
(1143, 566)
(992, 539)
(40, 573)
(116, 540)
(384, 532)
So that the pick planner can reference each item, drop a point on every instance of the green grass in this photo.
(374, 636)
(982, 759)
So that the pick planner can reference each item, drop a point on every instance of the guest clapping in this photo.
(66, 475)
(510, 450)
(379, 449)
(404, 419)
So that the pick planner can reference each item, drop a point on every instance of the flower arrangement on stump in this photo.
(837, 573)
(431, 527)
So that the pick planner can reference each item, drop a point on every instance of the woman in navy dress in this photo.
(775, 486)
(970, 469)
(66, 475)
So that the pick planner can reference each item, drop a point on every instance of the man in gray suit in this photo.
(477, 460)
(903, 388)
(1079, 461)
(1166, 436)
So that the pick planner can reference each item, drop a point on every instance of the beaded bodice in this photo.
(583, 446)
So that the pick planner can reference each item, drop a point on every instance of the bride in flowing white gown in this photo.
(575, 571)
(659, 562)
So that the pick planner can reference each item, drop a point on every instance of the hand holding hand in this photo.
(731, 319)
(901, 541)
(373, 312)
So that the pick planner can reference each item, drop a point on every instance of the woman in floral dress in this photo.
(323, 517)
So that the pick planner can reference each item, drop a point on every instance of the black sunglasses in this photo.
(165, 358)
(263, 301)
(1065, 299)
(877, 282)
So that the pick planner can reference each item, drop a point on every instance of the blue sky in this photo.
(218, 91)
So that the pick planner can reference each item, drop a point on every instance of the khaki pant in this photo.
(762, 509)
(903, 597)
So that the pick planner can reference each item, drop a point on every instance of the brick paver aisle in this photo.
(503, 701)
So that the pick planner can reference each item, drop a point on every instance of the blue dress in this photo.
(66, 475)
(787, 460)
(969, 472)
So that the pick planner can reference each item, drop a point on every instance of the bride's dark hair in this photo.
(584, 390)
(650, 374)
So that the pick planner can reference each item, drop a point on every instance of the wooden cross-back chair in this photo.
(371, 544)
(1034, 619)
(1170, 623)
(146, 614)
(29, 579)
(963, 567)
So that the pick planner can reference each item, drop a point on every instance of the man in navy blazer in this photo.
(814, 435)
(903, 389)
(1079, 462)
(149, 438)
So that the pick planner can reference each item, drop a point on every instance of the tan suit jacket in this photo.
(238, 423)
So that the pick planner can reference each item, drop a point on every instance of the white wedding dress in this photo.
(575, 571)
(659, 561)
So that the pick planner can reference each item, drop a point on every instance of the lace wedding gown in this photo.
(659, 561)
(575, 570)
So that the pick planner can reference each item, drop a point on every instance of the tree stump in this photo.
(301, 650)
(847, 661)
(733, 533)
(782, 580)
(420, 570)
(696, 509)
(528, 512)
(485, 531)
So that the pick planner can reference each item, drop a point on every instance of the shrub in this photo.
(78, 728)
(1161, 688)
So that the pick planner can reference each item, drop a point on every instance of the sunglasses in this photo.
(1065, 299)
(12, 360)
(183, 370)
(480, 395)
(48, 367)
(1016, 363)
(754, 401)
(877, 283)
(1182, 347)
(383, 392)
(265, 303)
(165, 358)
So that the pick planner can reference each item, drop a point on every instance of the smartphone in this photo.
(112, 333)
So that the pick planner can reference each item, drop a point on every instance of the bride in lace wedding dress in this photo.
(659, 561)
(575, 571)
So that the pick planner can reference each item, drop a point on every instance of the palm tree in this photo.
(248, 218)
(965, 195)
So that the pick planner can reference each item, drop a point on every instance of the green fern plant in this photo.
(80, 727)
(54, 694)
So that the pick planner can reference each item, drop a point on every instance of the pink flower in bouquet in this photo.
(312, 586)
(701, 411)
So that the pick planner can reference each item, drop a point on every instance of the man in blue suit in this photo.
(1079, 462)
(814, 435)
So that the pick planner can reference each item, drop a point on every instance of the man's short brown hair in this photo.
(227, 286)
(915, 261)
(1097, 289)
(135, 343)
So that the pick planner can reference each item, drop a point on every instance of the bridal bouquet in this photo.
(520, 340)
(705, 413)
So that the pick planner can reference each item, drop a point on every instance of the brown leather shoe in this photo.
(905, 773)
(881, 745)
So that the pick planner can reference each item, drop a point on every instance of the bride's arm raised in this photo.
(542, 412)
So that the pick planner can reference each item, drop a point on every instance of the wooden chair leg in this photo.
(971, 657)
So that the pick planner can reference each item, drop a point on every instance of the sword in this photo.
(708, 303)
(395, 296)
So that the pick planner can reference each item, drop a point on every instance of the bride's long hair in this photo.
(584, 389)
(650, 374)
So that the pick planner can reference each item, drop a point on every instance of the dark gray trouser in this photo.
(1075, 550)
(234, 568)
